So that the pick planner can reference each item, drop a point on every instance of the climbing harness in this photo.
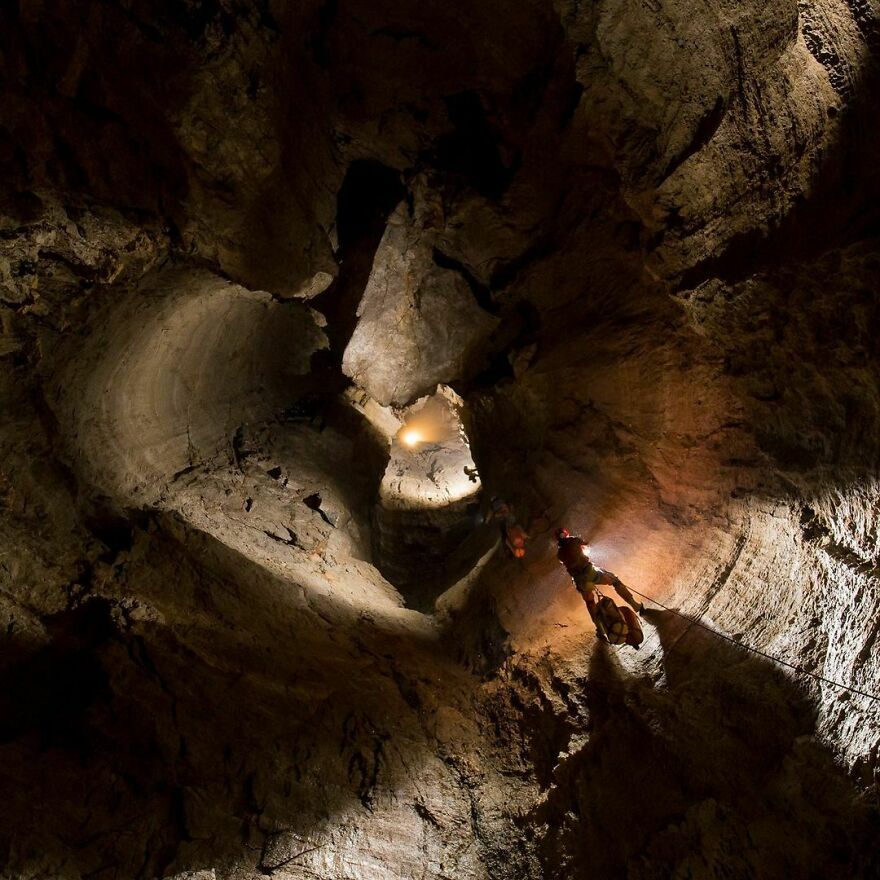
(799, 669)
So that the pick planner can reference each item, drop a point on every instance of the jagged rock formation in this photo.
(638, 239)
(428, 310)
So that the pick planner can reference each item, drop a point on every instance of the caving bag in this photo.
(634, 635)
(612, 620)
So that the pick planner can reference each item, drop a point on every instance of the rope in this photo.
(799, 669)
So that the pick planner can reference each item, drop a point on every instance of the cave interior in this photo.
(291, 292)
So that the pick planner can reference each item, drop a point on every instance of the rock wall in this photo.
(654, 229)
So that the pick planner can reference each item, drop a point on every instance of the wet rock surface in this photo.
(639, 240)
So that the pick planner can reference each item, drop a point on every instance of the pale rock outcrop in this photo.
(428, 311)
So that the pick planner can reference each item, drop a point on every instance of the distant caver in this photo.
(512, 533)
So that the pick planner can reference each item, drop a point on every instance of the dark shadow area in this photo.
(151, 748)
(368, 195)
(474, 634)
(471, 151)
(520, 329)
(423, 552)
(49, 692)
(481, 293)
(87, 99)
(712, 776)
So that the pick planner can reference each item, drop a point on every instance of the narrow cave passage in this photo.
(302, 332)
(427, 517)
(368, 194)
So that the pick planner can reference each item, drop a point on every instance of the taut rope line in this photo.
(758, 651)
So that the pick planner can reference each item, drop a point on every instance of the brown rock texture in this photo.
(239, 239)
(428, 311)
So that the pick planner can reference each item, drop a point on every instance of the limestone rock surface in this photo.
(639, 240)
(428, 311)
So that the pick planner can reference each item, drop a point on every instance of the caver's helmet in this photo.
(562, 534)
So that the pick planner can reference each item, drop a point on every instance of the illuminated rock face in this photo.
(638, 240)
(171, 372)
(429, 502)
(429, 311)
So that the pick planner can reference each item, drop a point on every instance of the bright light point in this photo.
(415, 480)
(586, 549)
